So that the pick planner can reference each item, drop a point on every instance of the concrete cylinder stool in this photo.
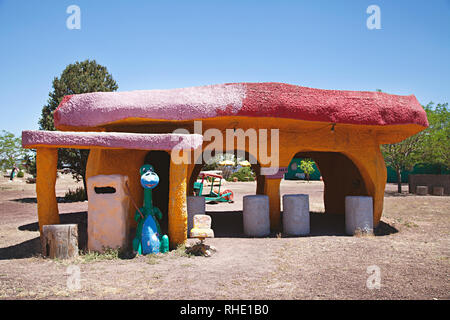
(195, 205)
(256, 215)
(296, 214)
(358, 215)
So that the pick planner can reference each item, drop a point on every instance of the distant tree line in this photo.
(430, 146)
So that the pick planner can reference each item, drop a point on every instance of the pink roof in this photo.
(121, 140)
(241, 99)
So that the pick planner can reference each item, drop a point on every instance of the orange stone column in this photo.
(177, 204)
(46, 166)
(373, 170)
(272, 190)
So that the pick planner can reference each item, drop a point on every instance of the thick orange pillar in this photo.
(272, 189)
(46, 166)
(373, 170)
(177, 204)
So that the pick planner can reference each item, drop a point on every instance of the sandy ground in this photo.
(410, 253)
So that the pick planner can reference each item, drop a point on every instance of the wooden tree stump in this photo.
(60, 241)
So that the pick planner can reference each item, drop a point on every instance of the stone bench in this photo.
(202, 227)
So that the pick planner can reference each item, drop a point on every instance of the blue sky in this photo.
(171, 44)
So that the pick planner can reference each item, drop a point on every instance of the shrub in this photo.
(244, 174)
(31, 180)
(30, 164)
(75, 196)
(20, 174)
(307, 165)
(227, 171)
(108, 254)
(211, 166)
(182, 251)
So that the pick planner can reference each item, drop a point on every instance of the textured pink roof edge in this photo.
(241, 99)
(33, 138)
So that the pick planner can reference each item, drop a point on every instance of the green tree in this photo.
(436, 141)
(403, 155)
(243, 174)
(11, 151)
(431, 145)
(30, 163)
(79, 77)
(307, 165)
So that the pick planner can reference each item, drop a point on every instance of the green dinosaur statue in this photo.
(148, 233)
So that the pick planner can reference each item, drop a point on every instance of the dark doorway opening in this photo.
(160, 160)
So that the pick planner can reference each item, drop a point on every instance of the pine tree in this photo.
(79, 77)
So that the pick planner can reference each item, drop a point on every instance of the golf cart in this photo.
(214, 195)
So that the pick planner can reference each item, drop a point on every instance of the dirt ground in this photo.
(410, 250)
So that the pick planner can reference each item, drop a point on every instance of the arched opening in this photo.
(227, 217)
(160, 160)
(340, 178)
(254, 165)
(309, 181)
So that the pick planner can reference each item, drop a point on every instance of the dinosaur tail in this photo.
(164, 244)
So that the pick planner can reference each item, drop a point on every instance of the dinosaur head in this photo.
(149, 179)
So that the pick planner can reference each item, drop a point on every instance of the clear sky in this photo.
(171, 44)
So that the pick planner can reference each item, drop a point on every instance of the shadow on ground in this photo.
(228, 224)
(389, 193)
(34, 200)
(27, 249)
(31, 248)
